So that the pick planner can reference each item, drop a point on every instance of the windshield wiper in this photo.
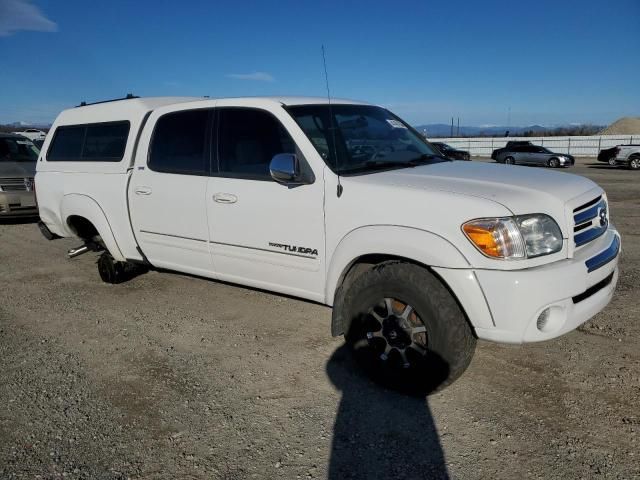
(425, 158)
(382, 164)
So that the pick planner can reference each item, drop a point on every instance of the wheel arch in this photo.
(365, 247)
(84, 218)
(377, 243)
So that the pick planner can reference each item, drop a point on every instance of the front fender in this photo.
(417, 245)
(87, 207)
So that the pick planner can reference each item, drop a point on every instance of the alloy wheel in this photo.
(396, 333)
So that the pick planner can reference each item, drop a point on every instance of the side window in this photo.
(179, 143)
(67, 144)
(105, 141)
(247, 141)
(94, 142)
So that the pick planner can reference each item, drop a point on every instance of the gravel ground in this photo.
(170, 376)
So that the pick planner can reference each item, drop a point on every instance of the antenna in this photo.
(331, 125)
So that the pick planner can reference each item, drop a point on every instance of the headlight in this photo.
(510, 238)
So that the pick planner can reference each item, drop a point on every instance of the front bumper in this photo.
(573, 291)
(18, 204)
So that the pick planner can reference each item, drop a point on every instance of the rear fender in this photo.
(87, 207)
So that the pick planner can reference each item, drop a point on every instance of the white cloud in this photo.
(258, 76)
(17, 15)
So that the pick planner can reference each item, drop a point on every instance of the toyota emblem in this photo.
(28, 184)
(603, 216)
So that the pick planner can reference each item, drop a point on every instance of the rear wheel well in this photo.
(82, 227)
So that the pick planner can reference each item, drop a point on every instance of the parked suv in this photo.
(534, 155)
(18, 156)
(622, 155)
(343, 204)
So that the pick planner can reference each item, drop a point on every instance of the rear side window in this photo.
(248, 140)
(179, 143)
(93, 142)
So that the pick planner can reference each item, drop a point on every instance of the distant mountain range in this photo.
(27, 125)
(444, 130)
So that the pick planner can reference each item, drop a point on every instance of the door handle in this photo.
(225, 198)
(142, 190)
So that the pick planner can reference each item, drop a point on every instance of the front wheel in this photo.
(510, 161)
(634, 162)
(406, 329)
(553, 163)
(612, 161)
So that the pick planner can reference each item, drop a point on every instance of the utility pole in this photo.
(458, 131)
(451, 127)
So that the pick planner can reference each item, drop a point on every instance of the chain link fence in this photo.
(588, 146)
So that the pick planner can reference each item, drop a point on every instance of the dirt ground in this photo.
(169, 376)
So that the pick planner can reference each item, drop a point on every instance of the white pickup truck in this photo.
(339, 202)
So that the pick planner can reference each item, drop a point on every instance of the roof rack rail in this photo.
(128, 97)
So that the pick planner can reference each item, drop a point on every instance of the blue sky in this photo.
(549, 61)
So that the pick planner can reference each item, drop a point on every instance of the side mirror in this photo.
(285, 168)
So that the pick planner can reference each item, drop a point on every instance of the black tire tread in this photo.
(456, 341)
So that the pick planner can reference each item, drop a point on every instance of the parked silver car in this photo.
(534, 155)
(18, 157)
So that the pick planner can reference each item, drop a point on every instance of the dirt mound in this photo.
(623, 126)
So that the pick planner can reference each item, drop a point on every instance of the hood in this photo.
(17, 169)
(520, 189)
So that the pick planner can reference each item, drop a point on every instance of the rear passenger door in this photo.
(523, 154)
(167, 195)
(263, 233)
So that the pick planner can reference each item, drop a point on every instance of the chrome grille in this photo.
(590, 220)
(16, 184)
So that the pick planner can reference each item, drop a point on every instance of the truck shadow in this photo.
(379, 433)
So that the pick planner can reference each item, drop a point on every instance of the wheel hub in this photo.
(395, 333)
(400, 332)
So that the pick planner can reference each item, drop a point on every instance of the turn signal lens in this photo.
(496, 237)
(483, 239)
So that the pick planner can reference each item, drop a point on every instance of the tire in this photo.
(612, 161)
(553, 163)
(406, 329)
(114, 272)
(634, 162)
(510, 161)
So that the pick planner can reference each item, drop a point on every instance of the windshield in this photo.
(18, 150)
(366, 138)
